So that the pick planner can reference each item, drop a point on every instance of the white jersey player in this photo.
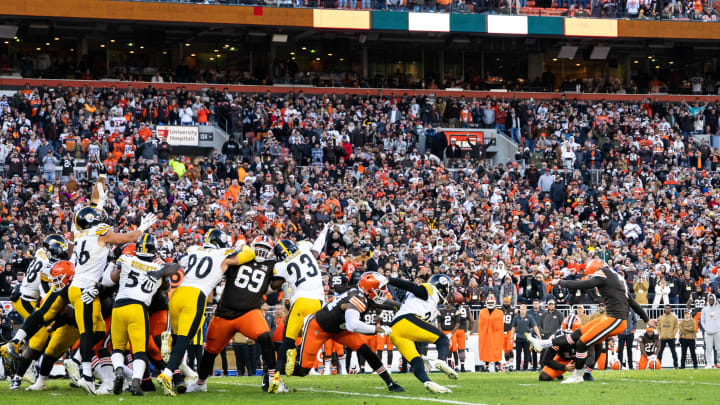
(297, 265)
(138, 278)
(36, 285)
(204, 269)
(91, 239)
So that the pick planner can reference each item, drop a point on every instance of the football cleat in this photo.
(73, 371)
(572, 379)
(395, 387)
(290, 361)
(39, 385)
(588, 377)
(190, 374)
(313, 371)
(534, 342)
(195, 387)
(87, 385)
(436, 388)
(442, 366)
(119, 381)
(276, 384)
(136, 387)
(166, 384)
(15, 383)
(11, 349)
(265, 386)
(104, 389)
(165, 349)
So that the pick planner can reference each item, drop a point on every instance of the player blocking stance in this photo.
(239, 312)
(413, 324)
(204, 269)
(91, 239)
(138, 278)
(36, 282)
(340, 321)
(51, 341)
(617, 299)
(297, 265)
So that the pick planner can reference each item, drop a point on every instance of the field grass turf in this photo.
(610, 388)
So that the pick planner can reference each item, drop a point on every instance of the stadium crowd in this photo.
(623, 182)
(699, 10)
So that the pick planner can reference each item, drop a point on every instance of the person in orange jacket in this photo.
(490, 334)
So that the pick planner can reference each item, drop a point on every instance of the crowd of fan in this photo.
(688, 9)
(621, 181)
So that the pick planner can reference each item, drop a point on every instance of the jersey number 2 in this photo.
(294, 268)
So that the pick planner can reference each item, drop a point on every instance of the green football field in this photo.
(610, 388)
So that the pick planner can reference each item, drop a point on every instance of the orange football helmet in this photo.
(61, 274)
(373, 284)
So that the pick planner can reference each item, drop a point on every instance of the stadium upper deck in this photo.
(262, 45)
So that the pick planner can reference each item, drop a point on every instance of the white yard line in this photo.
(362, 394)
(668, 382)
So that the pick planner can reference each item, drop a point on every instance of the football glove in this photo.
(89, 294)
(386, 330)
(147, 222)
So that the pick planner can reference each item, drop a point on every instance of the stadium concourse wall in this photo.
(360, 20)
(14, 83)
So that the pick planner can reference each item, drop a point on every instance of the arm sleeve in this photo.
(319, 244)
(638, 309)
(549, 360)
(417, 290)
(582, 284)
(353, 323)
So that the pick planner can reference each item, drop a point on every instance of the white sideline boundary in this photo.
(362, 394)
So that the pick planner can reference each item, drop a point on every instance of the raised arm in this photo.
(417, 290)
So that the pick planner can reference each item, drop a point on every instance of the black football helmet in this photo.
(443, 284)
(146, 247)
(285, 248)
(86, 218)
(217, 238)
(56, 247)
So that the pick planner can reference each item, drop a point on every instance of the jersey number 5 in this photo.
(250, 279)
(294, 268)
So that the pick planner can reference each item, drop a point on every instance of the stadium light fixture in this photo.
(112, 41)
(304, 48)
(187, 44)
(38, 49)
(47, 43)
(102, 45)
(142, 47)
(57, 39)
(192, 54)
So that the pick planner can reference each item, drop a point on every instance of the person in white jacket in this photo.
(710, 325)
(662, 292)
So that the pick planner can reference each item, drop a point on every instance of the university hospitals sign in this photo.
(179, 135)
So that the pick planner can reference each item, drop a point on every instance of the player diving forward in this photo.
(617, 299)
(238, 311)
(339, 320)
(138, 278)
(204, 269)
(412, 324)
(297, 265)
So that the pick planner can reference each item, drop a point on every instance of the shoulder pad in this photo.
(102, 229)
(430, 289)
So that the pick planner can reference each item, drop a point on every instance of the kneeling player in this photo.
(412, 325)
(239, 311)
(650, 347)
(340, 321)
